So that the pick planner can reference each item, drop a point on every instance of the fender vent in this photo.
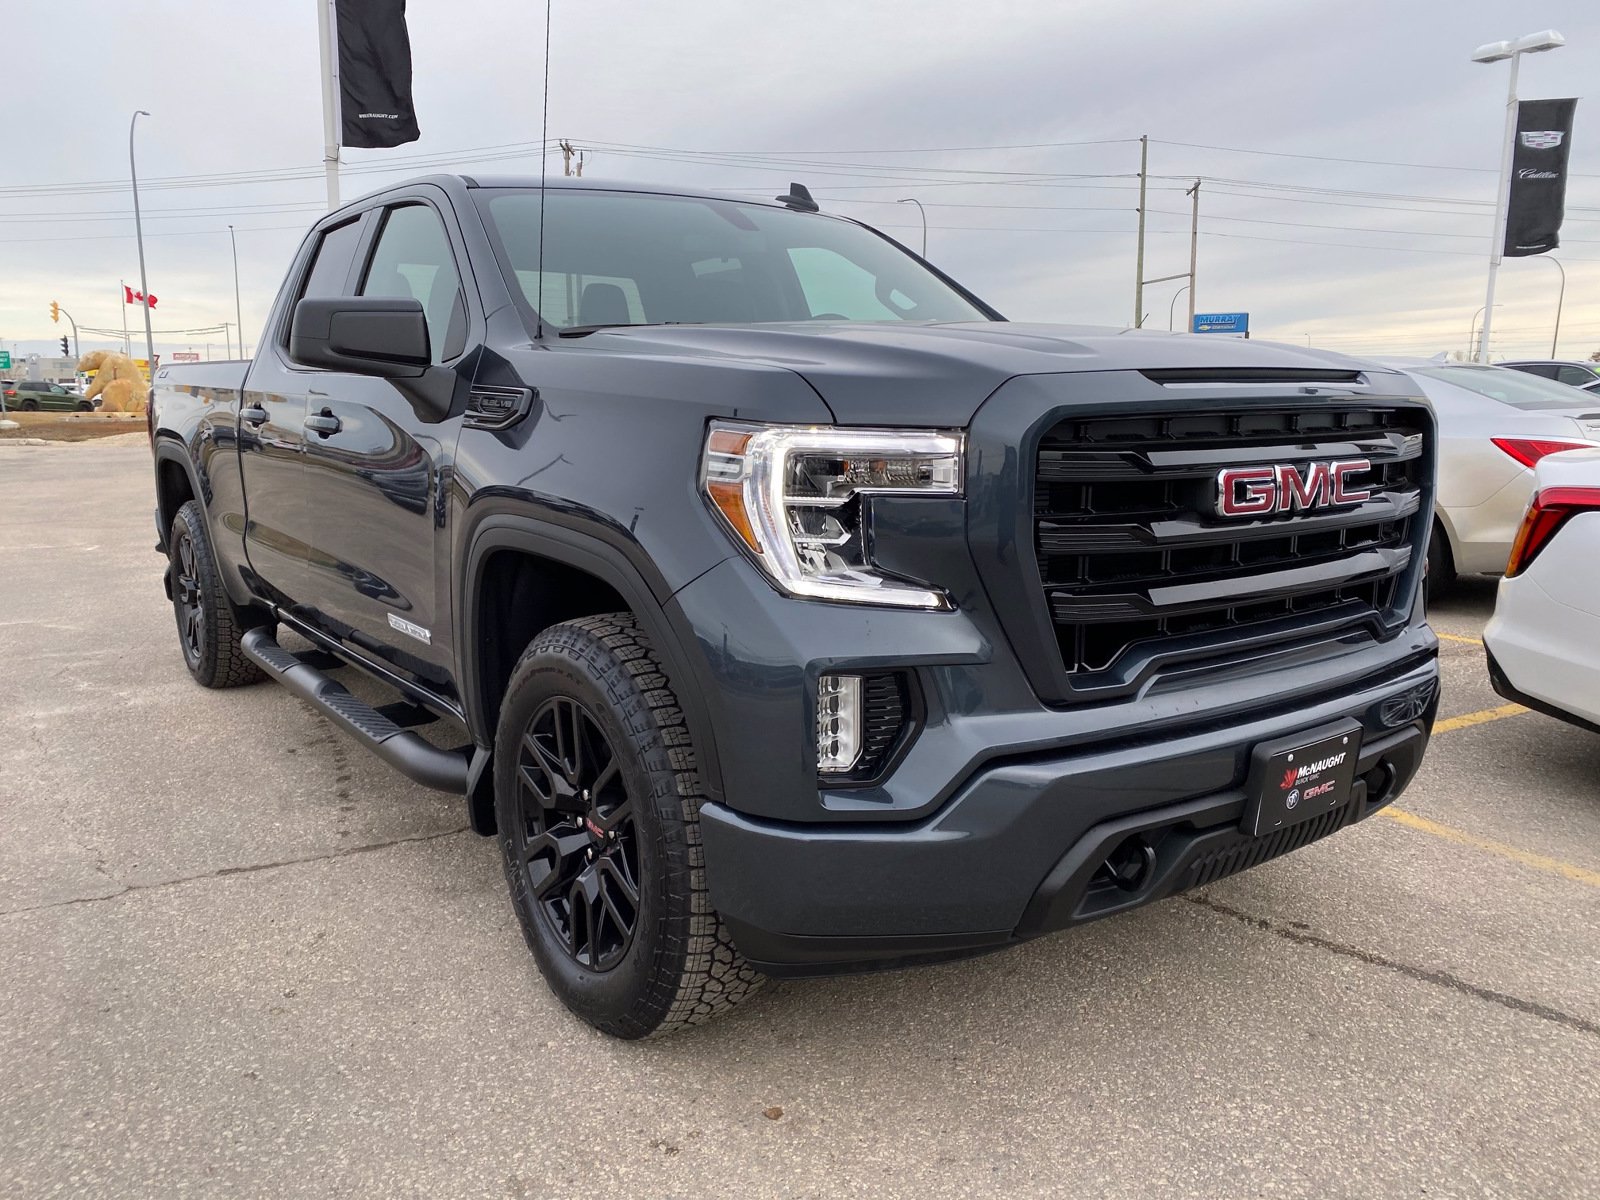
(490, 407)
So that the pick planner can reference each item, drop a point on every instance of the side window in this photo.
(834, 286)
(1576, 376)
(413, 261)
(331, 265)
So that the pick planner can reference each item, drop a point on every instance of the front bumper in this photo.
(1018, 850)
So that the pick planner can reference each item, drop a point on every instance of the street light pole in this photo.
(237, 314)
(918, 203)
(1172, 309)
(1495, 52)
(1561, 298)
(138, 233)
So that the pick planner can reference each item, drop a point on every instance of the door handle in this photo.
(254, 415)
(324, 423)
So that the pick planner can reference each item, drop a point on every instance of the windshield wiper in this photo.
(586, 330)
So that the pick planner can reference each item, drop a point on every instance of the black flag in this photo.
(374, 74)
(1538, 196)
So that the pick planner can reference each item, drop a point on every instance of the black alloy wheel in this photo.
(597, 798)
(577, 840)
(209, 624)
(188, 597)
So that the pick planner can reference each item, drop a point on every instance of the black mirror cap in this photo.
(364, 335)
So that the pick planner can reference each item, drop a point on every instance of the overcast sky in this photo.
(964, 106)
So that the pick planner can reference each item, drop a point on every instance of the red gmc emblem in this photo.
(1258, 491)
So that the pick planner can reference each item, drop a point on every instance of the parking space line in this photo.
(1552, 866)
(1456, 637)
(1481, 717)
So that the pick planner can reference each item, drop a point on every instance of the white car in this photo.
(1495, 424)
(1542, 640)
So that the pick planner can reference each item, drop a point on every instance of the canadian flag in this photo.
(129, 296)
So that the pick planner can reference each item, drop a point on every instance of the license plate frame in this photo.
(1301, 777)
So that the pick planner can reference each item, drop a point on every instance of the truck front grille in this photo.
(1136, 562)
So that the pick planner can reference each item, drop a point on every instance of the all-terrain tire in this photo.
(1441, 575)
(210, 640)
(678, 967)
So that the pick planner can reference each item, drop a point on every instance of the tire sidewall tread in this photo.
(682, 968)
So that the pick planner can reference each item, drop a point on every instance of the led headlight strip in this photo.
(792, 496)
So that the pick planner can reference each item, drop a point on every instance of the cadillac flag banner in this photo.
(1538, 195)
(375, 105)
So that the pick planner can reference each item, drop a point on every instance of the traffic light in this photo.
(65, 351)
(55, 311)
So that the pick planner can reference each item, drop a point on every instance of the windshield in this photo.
(627, 258)
(1515, 388)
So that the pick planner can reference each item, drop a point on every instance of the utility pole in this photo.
(1194, 248)
(1138, 263)
(571, 158)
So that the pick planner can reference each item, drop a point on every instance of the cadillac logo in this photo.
(1542, 139)
(1282, 488)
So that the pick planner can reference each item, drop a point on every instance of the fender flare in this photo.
(660, 619)
(168, 449)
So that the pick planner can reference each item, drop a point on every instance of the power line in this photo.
(1366, 162)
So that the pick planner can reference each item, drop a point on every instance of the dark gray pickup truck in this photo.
(801, 614)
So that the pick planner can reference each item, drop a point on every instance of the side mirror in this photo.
(364, 335)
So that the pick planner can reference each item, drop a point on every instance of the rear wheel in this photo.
(30, 406)
(209, 627)
(597, 799)
(1441, 565)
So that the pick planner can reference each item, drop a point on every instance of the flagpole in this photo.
(138, 234)
(327, 36)
(1501, 196)
(122, 302)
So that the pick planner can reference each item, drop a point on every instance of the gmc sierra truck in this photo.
(795, 611)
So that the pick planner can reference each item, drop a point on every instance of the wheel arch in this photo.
(176, 484)
(586, 576)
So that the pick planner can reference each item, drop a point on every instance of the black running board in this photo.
(407, 752)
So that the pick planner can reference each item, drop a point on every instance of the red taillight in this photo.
(1547, 513)
(1529, 451)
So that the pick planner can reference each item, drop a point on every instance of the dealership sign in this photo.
(1222, 323)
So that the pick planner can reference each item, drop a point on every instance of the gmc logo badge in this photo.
(1259, 491)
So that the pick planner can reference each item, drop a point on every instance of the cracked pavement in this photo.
(241, 958)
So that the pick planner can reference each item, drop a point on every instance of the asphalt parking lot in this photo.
(241, 958)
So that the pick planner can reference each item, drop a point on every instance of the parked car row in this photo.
(1495, 425)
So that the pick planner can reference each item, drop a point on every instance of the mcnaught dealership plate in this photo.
(1296, 778)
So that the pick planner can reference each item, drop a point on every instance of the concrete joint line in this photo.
(1437, 978)
(225, 872)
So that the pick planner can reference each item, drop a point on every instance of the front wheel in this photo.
(85, 406)
(597, 798)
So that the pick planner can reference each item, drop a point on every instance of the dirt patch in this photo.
(72, 427)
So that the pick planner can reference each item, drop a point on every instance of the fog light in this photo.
(838, 723)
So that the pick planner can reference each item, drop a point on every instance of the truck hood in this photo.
(904, 373)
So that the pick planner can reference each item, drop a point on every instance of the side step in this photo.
(407, 752)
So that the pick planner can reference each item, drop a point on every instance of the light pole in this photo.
(1494, 52)
(1172, 310)
(1561, 298)
(918, 203)
(138, 233)
(238, 318)
(1472, 335)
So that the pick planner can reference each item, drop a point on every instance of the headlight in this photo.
(794, 497)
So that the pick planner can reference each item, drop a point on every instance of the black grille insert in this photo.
(1135, 560)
